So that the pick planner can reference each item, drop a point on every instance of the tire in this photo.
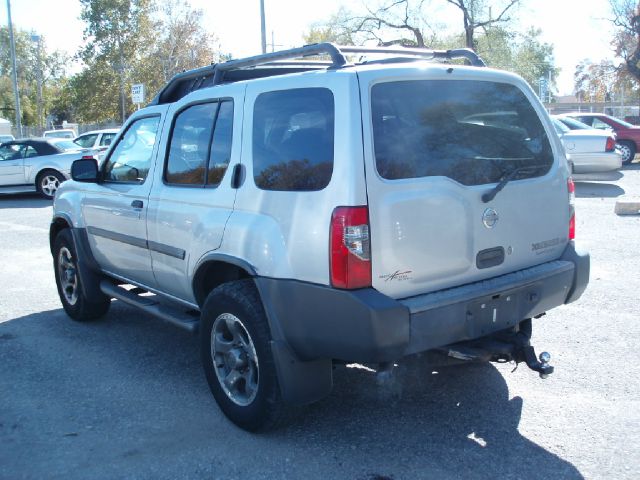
(239, 366)
(48, 182)
(65, 266)
(628, 150)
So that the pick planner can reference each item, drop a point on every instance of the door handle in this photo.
(137, 204)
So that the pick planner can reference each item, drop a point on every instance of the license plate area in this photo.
(495, 312)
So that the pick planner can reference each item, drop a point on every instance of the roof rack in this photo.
(275, 64)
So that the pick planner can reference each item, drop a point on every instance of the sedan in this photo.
(588, 150)
(628, 135)
(39, 165)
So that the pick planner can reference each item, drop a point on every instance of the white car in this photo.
(41, 165)
(589, 150)
(61, 133)
(97, 139)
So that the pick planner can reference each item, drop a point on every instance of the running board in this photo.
(152, 306)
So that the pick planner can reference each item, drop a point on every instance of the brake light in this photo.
(611, 144)
(350, 248)
(571, 188)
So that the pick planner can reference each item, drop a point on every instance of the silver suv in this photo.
(302, 214)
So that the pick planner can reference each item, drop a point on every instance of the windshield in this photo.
(621, 122)
(574, 124)
(470, 131)
(65, 145)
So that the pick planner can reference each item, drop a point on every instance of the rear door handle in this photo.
(137, 204)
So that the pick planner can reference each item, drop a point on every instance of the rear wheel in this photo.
(237, 359)
(74, 301)
(48, 183)
(628, 150)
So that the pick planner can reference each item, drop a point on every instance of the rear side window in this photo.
(293, 139)
(470, 131)
(200, 145)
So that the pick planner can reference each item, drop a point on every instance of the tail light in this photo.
(350, 254)
(571, 188)
(611, 144)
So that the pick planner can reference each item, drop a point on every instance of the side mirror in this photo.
(85, 170)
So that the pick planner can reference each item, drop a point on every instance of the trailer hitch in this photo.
(541, 364)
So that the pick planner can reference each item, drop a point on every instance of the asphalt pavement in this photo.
(125, 397)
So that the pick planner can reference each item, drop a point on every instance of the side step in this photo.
(151, 305)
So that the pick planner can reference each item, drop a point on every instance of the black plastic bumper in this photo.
(367, 326)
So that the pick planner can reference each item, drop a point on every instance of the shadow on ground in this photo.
(23, 200)
(585, 189)
(125, 396)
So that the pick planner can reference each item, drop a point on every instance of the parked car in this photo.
(347, 214)
(588, 150)
(6, 138)
(97, 139)
(627, 135)
(37, 165)
(60, 133)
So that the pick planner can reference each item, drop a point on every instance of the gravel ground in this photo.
(125, 397)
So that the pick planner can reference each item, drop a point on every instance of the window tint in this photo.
(470, 131)
(293, 134)
(106, 139)
(86, 141)
(191, 152)
(131, 158)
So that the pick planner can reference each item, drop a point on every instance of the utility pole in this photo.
(15, 71)
(39, 75)
(262, 27)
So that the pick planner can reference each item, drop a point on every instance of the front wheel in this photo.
(74, 301)
(48, 183)
(628, 150)
(237, 359)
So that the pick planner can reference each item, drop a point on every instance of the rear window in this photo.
(470, 131)
(293, 139)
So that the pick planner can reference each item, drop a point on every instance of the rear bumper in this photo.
(595, 162)
(367, 326)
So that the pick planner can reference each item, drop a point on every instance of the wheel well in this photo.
(57, 225)
(212, 274)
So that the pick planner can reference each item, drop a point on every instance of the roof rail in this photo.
(214, 74)
(466, 53)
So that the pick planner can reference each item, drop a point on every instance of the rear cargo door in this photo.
(434, 144)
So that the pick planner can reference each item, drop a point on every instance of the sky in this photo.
(578, 29)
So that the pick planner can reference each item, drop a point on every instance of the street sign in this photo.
(137, 93)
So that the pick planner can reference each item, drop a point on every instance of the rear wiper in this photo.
(506, 178)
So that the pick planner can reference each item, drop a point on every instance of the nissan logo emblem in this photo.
(490, 218)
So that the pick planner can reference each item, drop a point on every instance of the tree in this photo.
(119, 37)
(35, 63)
(478, 14)
(626, 19)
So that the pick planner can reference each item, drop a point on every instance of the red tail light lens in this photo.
(611, 145)
(350, 254)
(572, 225)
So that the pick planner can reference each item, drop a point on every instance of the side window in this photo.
(86, 141)
(200, 145)
(131, 158)
(106, 139)
(30, 152)
(221, 147)
(600, 125)
(10, 152)
(586, 120)
(293, 139)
